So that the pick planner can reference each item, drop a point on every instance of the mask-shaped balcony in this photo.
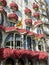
(3, 2)
(36, 15)
(35, 6)
(14, 6)
(13, 17)
(28, 22)
(27, 11)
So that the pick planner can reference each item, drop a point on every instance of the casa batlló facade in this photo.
(24, 32)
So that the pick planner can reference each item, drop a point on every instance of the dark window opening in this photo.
(12, 24)
(39, 47)
(0, 37)
(9, 61)
(1, 19)
(29, 42)
(18, 43)
(27, 28)
(20, 62)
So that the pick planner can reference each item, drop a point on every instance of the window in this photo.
(0, 37)
(1, 19)
(27, 28)
(12, 24)
(18, 42)
(40, 46)
(29, 42)
(39, 31)
(9, 41)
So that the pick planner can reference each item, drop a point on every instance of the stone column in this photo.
(22, 38)
(43, 45)
(16, 62)
(26, 61)
(48, 58)
(14, 41)
(26, 43)
(32, 43)
(2, 63)
(37, 45)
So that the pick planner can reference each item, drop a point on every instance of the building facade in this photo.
(24, 32)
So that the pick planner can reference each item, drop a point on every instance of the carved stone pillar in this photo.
(16, 62)
(26, 61)
(22, 38)
(26, 43)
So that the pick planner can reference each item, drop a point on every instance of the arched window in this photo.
(0, 37)
(18, 43)
(9, 41)
(1, 19)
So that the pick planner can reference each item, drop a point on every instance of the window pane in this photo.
(0, 37)
(18, 43)
(8, 44)
(9, 37)
(27, 28)
(17, 37)
(1, 19)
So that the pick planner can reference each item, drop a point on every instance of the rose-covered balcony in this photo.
(14, 6)
(28, 22)
(3, 3)
(36, 14)
(3, 11)
(27, 11)
(35, 6)
(17, 54)
(13, 17)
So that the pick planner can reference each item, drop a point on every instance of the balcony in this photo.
(27, 11)
(3, 2)
(28, 22)
(35, 6)
(14, 6)
(36, 15)
(13, 17)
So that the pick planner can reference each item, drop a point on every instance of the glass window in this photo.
(29, 42)
(1, 19)
(9, 41)
(0, 37)
(12, 24)
(17, 37)
(18, 44)
(40, 46)
(27, 28)
(39, 30)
